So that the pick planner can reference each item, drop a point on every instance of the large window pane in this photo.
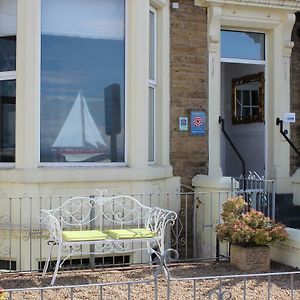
(242, 45)
(8, 12)
(82, 81)
(8, 120)
(151, 124)
(152, 45)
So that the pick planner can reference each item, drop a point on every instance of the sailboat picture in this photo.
(79, 139)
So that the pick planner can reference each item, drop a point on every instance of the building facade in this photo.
(130, 96)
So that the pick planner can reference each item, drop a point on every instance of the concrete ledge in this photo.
(288, 252)
(295, 182)
(211, 182)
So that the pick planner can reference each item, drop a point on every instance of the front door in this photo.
(243, 101)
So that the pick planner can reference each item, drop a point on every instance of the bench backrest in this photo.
(101, 212)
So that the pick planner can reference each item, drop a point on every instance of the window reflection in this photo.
(8, 120)
(82, 55)
(248, 99)
(8, 16)
(242, 45)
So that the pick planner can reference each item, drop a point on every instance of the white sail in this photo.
(70, 135)
(92, 134)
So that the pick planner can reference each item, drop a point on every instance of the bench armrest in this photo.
(53, 226)
(157, 220)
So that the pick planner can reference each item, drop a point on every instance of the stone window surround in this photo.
(27, 166)
(277, 22)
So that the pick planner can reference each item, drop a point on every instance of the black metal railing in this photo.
(222, 123)
(284, 133)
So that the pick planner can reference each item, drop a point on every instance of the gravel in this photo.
(256, 287)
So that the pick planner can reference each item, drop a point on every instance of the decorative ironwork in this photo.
(220, 295)
(82, 212)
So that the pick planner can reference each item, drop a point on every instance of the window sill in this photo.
(84, 174)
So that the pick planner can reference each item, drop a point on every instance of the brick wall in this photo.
(189, 88)
(295, 94)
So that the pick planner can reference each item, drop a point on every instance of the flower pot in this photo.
(250, 258)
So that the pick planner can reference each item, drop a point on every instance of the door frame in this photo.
(278, 26)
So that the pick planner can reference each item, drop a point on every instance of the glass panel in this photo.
(242, 45)
(247, 101)
(152, 46)
(151, 124)
(254, 95)
(82, 81)
(246, 98)
(8, 120)
(8, 13)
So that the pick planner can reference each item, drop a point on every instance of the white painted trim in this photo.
(159, 3)
(243, 61)
(292, 5)
(126, 71)
(154, 11)
(153, 85)
(8, 75)
(4, 165)
(81, 164)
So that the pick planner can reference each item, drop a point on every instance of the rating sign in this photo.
(197, 121)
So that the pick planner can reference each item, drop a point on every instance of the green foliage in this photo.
(246, 227)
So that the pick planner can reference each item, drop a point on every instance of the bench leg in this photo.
(58, 258)
(48, 260)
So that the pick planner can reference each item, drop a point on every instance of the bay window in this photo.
(8, 10)
(82, 111)
(152, 84)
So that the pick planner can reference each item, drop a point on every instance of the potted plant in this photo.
(249, 233)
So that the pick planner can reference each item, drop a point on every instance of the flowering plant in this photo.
(3, 294)
(247, 227)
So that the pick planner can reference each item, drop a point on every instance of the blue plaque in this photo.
(198, 123)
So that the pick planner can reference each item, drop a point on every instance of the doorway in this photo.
(243, 102)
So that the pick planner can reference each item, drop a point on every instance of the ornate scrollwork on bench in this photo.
(111, 224)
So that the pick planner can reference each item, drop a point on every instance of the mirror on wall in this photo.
(248, 99)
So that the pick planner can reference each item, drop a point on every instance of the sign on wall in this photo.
(289, 117)
(183, 124)
(198, 123)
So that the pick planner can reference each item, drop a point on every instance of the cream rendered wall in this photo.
(29, 176)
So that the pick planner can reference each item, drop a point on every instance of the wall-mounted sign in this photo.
(183, 124)
(289, 117)
(198, 123)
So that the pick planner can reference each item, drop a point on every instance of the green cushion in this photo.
(130, 233)
(84, 235)
(143, 233)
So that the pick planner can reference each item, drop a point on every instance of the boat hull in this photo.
(78, 157)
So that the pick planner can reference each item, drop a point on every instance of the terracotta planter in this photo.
(250, 258)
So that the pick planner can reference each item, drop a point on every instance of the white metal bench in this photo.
(111, 224)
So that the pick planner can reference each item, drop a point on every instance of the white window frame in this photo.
(153, 84)
(96, 164)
